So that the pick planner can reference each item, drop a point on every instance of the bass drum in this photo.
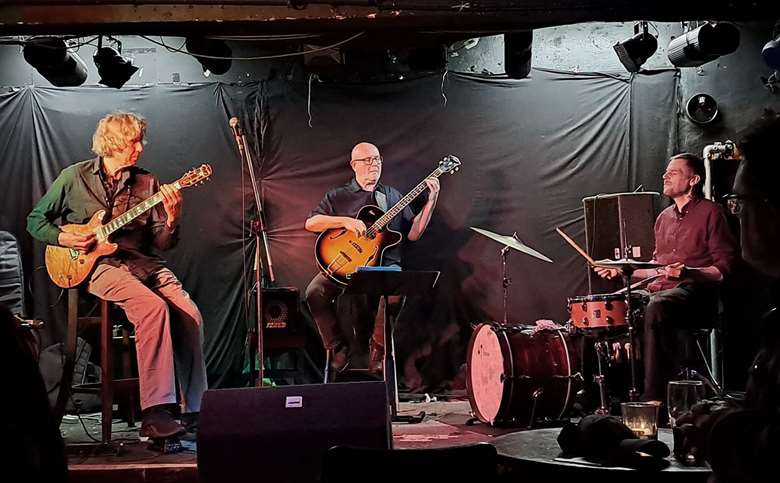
(519, 374)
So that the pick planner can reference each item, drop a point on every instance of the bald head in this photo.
(367, 164)
(364, 150)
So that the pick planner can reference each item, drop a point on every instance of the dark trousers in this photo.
(321, 296)
(669, 314)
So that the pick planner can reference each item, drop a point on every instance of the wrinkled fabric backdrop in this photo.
(531, 150)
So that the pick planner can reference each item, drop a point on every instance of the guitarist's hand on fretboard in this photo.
(172, 203)
(82, 243)
(433, 188)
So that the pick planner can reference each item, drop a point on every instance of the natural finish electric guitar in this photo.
(68, 267)
(339, 252)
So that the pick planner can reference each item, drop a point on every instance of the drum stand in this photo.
(601, 355)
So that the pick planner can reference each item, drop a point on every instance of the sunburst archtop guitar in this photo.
(68, 267)
(339, 252)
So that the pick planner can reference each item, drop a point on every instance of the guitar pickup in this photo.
(349, 259)
(356, 246)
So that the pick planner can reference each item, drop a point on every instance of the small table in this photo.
(532, 456)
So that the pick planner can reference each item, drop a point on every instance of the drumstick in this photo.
(576, 247)
(636, 284)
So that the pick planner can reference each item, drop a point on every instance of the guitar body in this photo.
(339, 252)
(68, 267)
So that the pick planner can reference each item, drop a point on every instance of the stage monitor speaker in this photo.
(618, 224)
(281, 312)
(280, 434)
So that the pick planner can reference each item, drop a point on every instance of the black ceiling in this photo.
(257, 17)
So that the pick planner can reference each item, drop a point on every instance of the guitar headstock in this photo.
(449, 164)
(195, 176)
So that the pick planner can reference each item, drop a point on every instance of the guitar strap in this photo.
(381, 200)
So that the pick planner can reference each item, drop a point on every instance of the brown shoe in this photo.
(339, 358)
(376, 358)
(158, 423)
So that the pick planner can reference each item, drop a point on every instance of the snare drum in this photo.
(519, 374)
(598, 311)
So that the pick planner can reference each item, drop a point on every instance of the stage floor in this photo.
(524, 456)
(445, 424)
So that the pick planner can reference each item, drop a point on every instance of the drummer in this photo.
(695, 247)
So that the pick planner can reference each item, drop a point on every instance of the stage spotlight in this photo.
(114, 69)
(518, 54)
(52, 59)
(703, 44)
(213, 55)
(635, 51)
(771, 51)
(702, 109)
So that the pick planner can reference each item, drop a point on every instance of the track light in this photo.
(635, 51)
(114, 69)
(771, 51)
(517, 53)
(703, 44)
(213, 55)
(52, 59)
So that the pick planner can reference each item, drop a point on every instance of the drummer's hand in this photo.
(675, 271)
(608, 273)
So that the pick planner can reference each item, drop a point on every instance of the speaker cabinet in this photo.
(618, 225)
(280, 434)
(281, 314)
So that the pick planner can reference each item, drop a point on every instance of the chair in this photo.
(108, 386)
(477, 462)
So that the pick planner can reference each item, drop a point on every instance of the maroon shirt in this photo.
(698, 237)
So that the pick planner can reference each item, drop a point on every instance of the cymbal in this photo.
(512, 242)
(626, 263)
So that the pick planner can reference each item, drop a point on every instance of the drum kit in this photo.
(520, 374)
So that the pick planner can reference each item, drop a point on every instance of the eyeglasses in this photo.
(735, 203)
(369, 160)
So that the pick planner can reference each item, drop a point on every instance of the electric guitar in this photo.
(68, 267)
(339, 252)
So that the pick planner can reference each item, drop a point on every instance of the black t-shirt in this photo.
(348, 199)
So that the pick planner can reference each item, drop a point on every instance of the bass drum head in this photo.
(485, 372)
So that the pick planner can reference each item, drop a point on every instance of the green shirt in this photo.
(79, 192)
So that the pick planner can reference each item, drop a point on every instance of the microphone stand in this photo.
(257, 228)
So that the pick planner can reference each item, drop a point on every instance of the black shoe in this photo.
(158, 423)
(339, 358)
(190, 423)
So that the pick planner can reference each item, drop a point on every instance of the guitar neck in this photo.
(403, 202)
(133, 213)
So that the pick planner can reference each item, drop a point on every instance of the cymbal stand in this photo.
(626, 271)
(505, 280)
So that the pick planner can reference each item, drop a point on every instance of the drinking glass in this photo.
(681, 396)
(641, 418)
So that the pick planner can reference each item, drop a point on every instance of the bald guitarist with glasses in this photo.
(339, 209)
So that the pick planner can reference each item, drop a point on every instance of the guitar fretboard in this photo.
(105, 230)
(402, 203)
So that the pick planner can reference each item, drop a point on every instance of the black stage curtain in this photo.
(531, 150)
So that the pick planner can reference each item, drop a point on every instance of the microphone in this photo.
(237, 133)
(234, 126)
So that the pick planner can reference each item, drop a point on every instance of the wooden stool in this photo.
(107, 386)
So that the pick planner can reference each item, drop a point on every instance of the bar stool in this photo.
(108, 386)
(708, 351)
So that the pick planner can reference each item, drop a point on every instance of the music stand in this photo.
(384, 283)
